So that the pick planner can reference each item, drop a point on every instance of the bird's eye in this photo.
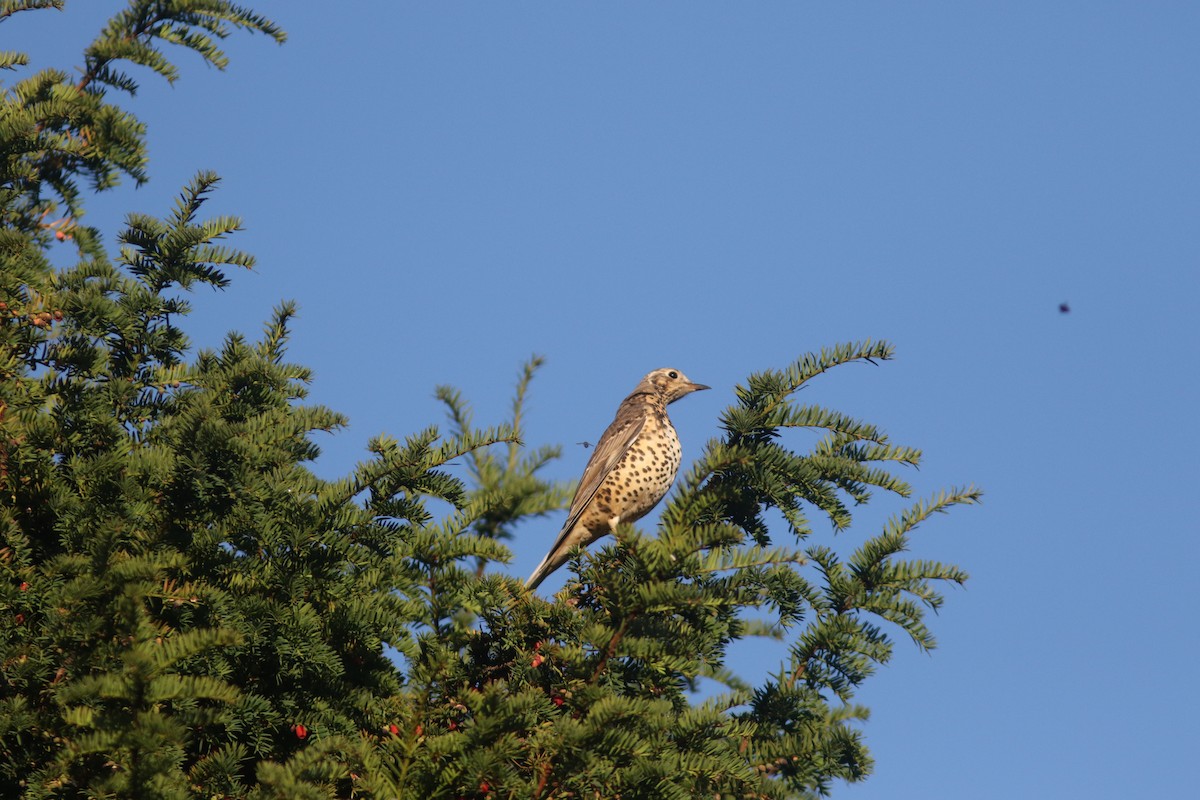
(672, 374)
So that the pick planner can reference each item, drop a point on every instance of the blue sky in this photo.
(447, 188)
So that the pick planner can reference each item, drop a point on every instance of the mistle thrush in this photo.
(631, 469)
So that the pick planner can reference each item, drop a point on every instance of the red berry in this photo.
(20, 619)
(394, 729)
(24, 587)
(558, 701)
(453, 725)
(537, 660)
(300, 731)
(484, 787)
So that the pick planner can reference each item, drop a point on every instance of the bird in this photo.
(631, 469)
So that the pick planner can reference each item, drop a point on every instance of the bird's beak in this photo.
(697, 387)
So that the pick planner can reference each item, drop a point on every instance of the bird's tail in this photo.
(559, 554)
(539, 574)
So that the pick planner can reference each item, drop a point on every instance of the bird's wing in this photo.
(611, 448)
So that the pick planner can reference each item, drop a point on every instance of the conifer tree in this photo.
(187, 611)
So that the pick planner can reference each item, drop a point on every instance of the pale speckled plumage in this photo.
(632, 468)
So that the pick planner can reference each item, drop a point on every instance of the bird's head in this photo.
(670, 383)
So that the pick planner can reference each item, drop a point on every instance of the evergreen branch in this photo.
(130, 35)
(276, 333)
(512, 484)
(409, 470)
(458, 409)
(939, 504)
(765, 392)
(846, 446)
(179, 251)
(174, 649)
(610, 649)
(10, 7)
(191, 687)
(785, 416)
(528, 370)
(10, 59)
(748, 558)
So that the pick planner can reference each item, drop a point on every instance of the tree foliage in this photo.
(187, 610)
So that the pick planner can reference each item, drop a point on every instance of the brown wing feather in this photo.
(612, 447)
